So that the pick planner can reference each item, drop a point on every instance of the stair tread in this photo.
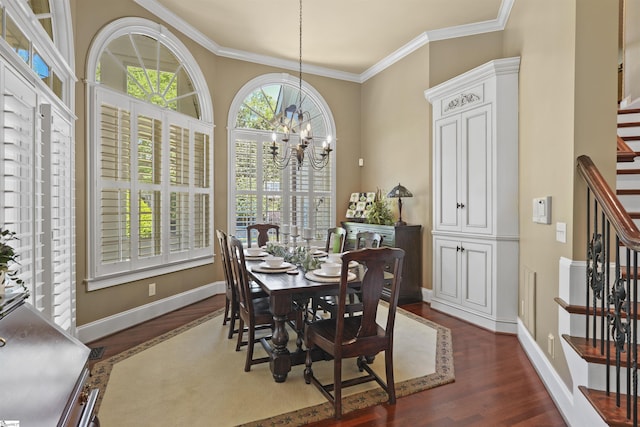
(606, 406)
(629, 111)
(628, 171)
(627, 191)
(628, 124)
(581, 309)
(588, 352)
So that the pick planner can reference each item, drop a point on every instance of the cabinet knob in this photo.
(3, 342)
(460, 205)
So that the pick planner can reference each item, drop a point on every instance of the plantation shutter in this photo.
(114, 184)
(148, 204)
(202, 189)
(179, 205)
(21, 184)
(59, 201)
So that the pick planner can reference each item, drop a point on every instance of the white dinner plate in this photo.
(260, 255)
(321, 273)
(280, 267)
(311, 275)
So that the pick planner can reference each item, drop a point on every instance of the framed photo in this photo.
(359, 204)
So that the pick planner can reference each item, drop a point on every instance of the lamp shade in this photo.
(399, 191)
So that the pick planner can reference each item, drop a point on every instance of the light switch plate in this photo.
(561, 232)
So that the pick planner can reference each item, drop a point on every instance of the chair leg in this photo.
(232, 322)
(226, 311)
(308, 372)
(240, 334)
(337, 388)
(250, 342)
(391, 385)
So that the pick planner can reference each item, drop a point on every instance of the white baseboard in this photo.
(426, 295)
(109, 325)
(559, 392)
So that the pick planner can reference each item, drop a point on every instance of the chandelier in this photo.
(297, 132)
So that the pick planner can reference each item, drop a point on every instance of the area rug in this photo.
(193, 376)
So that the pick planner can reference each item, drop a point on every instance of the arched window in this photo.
(258, 190)
(151, 205)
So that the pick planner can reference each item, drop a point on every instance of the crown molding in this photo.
(183, 26)
(497, 24)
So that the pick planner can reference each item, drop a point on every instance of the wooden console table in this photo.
(407, 237)
(44, 372)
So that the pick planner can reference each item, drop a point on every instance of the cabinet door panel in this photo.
(476, 152)
(476, 274)
(446, 172)
(447, 270)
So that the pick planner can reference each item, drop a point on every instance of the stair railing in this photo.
(611, 303)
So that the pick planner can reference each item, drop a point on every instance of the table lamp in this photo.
(399, 192)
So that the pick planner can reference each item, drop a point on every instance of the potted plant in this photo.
(379, 212)
(8, 257)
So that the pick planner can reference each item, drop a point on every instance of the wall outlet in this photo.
(152, 289)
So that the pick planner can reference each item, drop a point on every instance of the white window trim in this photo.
(116, 29)
(312, 94)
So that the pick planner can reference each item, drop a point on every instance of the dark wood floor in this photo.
(495, 384)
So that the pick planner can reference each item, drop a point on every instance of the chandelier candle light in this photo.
(297, 121)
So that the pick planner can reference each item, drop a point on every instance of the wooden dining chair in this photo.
(253, 313)
(361, 337)
(364, 239)
(262, 231)
(368, 239)
(231, 313)
(335, 233)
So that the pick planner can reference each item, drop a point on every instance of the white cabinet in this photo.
(462, 145)
(464, 273)
(475, 195)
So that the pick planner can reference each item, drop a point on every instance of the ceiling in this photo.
(346, 36)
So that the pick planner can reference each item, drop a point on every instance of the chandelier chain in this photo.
(300, 61)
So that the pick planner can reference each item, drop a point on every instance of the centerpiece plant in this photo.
(299, 256)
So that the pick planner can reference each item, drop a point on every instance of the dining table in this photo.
(288, 290)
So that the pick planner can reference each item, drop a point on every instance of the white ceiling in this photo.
(352, 37)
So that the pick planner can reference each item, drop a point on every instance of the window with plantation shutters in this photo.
(153, 196)
(22, 181)
(259, 192)
(150, 155)
(37, 169)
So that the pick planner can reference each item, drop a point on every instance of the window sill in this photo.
(121, 279)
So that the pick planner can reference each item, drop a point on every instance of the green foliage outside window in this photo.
(159, 88)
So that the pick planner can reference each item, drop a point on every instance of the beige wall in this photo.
(224, 77)
(566, 108)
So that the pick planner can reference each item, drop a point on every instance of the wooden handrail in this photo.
(610, 204)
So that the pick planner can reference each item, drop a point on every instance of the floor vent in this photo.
(96, 353)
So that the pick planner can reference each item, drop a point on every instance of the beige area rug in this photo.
(192, 376)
